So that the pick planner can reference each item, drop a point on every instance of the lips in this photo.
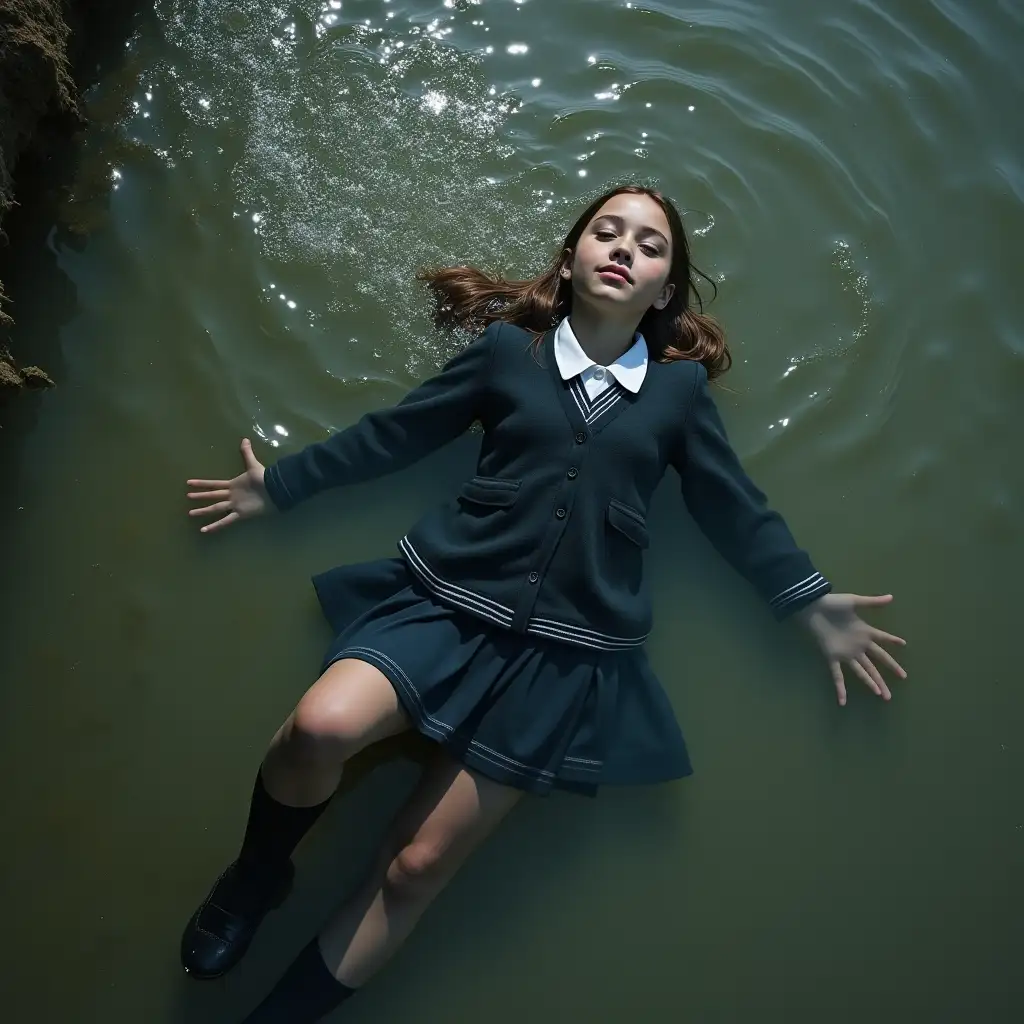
(620, 272)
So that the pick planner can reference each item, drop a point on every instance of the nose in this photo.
(622, 253)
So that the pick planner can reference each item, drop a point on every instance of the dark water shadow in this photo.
(43, 301)
(43, 298)
(53, 170)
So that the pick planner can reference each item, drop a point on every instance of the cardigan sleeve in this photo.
(734, 515)
(385, 440)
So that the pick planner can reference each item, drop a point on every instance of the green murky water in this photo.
(273, 177)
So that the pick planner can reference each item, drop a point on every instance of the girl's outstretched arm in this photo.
(430, 416)
(733, 513)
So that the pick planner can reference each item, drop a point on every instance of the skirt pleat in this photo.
(534, 714)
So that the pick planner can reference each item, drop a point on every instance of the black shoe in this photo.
(220, 931)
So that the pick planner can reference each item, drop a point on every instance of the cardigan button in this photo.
(573, 473)
(560, 512)
(533, 577)
(581, 437)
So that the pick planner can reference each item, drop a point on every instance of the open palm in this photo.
(241, 497)
(844, 638)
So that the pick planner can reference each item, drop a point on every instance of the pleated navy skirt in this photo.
(526, 712)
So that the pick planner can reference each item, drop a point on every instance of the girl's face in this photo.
(623, 258)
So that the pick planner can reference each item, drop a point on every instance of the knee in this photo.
(418, 869)
(321, 729)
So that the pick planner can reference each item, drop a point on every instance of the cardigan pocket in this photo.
(628, 522)
(490, 490)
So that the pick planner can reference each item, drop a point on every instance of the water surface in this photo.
(258, 187)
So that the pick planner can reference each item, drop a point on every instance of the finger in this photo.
(210, 495)
(869, 666)
(213, 484)
(880, 634)
(211, 510)
(860, 670)
(881, 654)
(220, 524)
(840, 683)
(871, 599)
(251, 462)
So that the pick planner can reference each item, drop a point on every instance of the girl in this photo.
(511, 628)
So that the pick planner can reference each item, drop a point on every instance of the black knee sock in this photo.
(306, 992)
(272, 832)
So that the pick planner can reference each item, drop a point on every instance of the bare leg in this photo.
(449, 814)
(446, 818)
(349, 707)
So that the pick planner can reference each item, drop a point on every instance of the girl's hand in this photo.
(845, 637)
(242, 497)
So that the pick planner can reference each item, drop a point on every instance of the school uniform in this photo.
(512, 623)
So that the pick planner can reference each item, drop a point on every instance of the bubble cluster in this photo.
(370, 150)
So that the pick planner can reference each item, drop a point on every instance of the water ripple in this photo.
(359, 144)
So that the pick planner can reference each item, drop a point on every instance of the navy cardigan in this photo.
(549, 537)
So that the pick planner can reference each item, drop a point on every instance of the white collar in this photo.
(629, 369)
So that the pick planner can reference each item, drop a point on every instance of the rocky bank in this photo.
(42, 52)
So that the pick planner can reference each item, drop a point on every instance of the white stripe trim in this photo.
(602, 405)
(572, 638)
(592, 409)
(581, 388)
(613, 387)
(814, 577)
(497, 605)
(610, 394)
(591, 633)
(485, 607)
(809, 586)
(476, 603)
(575, 389)
(823, 585)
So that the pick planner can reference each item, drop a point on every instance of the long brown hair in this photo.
(468, 298)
